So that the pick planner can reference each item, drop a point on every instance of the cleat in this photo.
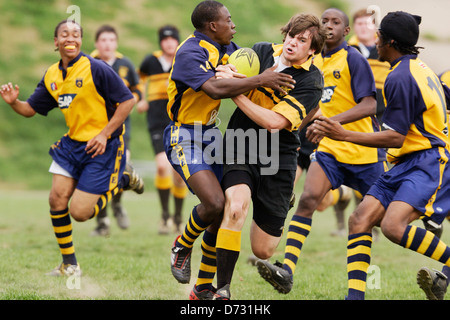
(102, 229)
(278, 277)
(223, 293)
(165, 226)
(180, 263)
(66, 270)
(136, 183)
(121, 215)
(433, 283)
(206, 294)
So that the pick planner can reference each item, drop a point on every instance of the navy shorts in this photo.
(94, 175)
(359, 177)
(191, 149)
(421, 179)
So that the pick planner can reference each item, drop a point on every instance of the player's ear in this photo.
(55, 40)
(212, 26)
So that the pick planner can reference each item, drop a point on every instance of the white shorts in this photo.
(55, 168)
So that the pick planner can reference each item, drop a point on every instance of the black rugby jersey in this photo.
(294, 106)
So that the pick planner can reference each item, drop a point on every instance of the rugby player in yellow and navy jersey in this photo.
(348, 97)
(154, 74)
(194, 100)
(418, 185)
(88, 164)
(106, 44)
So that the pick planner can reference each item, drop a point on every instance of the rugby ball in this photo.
(246, 61)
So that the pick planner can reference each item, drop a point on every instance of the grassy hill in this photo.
(27, 50)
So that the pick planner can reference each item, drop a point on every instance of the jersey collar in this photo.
(72, 62)
(343, 45)
(278, 50)
(405, 57)
(203, 36)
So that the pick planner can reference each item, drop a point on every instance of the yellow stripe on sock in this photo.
(179, 192)
(62, 229)
(229, 240)
(411, 234)
(357, 284)
(439, 251)
(363, 238)
(357, 265)
(425, 244)
(290, 264)
(163, 183)
(300, 225)
(67, 251)
(207, 268)
(358, 250)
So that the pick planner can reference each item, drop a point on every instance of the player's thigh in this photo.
(263, 244)
(82, 204)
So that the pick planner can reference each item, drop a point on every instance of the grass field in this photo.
(134, 264)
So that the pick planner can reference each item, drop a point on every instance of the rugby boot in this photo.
(205, 294)
(66, 270)
(136, 183)
(223, 293)
(278, 277)
(180, 263)
(433, 283)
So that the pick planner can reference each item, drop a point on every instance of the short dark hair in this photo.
(64, 22)
(105, 28)
(301, 22)
(400, 47)
(205, 12)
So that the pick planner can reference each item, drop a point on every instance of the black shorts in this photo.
(156, 137)
(271, 194)
(303, 161)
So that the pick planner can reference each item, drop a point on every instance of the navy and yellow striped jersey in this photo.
(126, 70)
(294, 106)
(348, 79)
(87, 93)
(445, 77)
(154, 77)
(195, 63)
(415, 107)
(380, 69)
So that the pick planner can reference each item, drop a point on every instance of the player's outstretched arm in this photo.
(10, 95)
(333, 129)
(227, 88)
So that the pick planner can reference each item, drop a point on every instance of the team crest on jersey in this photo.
(337, 74)
(65, 100)
(327, 94)
(53, 86)
(79, 82)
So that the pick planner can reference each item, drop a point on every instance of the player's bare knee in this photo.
(308, 203)
(215, 206)
(262, 252)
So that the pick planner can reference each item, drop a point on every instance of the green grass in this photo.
(133, 264)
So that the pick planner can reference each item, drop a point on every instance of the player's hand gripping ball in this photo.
(246, 61)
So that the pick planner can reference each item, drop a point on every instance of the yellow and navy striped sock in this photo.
(194, 227)
(62, 226)
(299, 229)
(104, 199)
(358, 261)
(426, 243)
(208, 264)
